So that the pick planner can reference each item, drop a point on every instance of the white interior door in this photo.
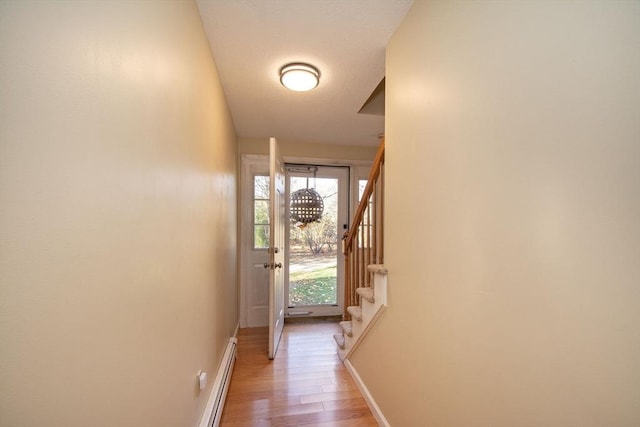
(277, 249)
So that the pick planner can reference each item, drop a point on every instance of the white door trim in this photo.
(251, 164)
(340, 173)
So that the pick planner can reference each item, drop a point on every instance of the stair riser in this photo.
(348, 341)
(346, 328)
(380, 289)
(356, 328)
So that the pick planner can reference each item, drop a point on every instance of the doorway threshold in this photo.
(312, 319)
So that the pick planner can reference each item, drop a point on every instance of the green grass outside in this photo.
(313, 287)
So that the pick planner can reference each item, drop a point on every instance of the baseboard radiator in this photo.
(213, 411)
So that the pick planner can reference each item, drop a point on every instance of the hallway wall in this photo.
(297, 149)
(513, 217)
(118, 214)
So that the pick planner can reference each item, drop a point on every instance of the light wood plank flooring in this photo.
(305, 385)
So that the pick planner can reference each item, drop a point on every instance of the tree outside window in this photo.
(260, 212)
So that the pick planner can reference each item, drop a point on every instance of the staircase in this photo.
(373, 301)
(365, 273)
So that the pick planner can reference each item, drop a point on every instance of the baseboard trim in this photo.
(217, 396)
(373, 406)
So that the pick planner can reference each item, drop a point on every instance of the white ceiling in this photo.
(344, 39)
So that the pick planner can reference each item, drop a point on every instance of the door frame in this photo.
(344, 208)
(251, 164)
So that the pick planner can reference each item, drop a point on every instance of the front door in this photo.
(314, 263)
(277, 247)
(309, 291)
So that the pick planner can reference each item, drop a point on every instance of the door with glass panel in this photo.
(277, 248)
(315, 265)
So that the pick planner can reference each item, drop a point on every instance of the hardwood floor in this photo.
(305, 385)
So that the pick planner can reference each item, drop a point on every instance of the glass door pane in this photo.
(315, 264)
(313, 248)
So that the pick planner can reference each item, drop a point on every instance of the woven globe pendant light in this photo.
(306, 206)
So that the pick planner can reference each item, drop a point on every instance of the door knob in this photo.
(268, 264)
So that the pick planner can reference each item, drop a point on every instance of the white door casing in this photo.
(254, 278)
(341, 174)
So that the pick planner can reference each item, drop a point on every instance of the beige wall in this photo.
(310, 150)
(513, 164)
(118, 218)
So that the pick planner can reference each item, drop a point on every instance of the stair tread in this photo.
(366, 293)
(378, 269)
(355, 311)
(346, 327)
(339, 340)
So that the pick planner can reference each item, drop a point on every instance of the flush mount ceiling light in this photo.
(299, 77)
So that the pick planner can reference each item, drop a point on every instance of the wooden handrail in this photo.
(363, 244)
(374, 173)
